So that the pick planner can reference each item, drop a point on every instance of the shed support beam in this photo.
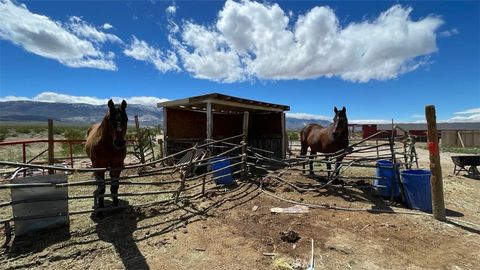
(165, 133)
(209, 121)
(245, 143)
(284, 136)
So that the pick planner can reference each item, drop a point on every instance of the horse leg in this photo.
(98, 202)
(114, 186)
(312, 153)
(337, 171)
(303, 152)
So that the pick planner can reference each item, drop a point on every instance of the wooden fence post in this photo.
(139, 139)
(51, 154)
(245, 143)
(438, 204)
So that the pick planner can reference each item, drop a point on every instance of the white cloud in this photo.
(449, 33)
(205, 54)
(42, 36)
(141, 50)
(62, 98)
(470, 115)
(85, 30)
(171, 9)
(107, 26)
(469, 118)
(257, 40)
(307, 116)
(470, 111)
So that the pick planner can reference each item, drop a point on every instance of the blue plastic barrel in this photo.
(417, 189)
(222, 177)
(384, 186)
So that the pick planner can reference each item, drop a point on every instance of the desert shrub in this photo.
(293, 135)
(3, 134)
(74, 134)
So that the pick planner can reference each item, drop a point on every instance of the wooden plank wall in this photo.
(469, 138)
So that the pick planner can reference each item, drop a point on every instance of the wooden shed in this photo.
(217, 116)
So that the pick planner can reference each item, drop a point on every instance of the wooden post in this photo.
(160, 143)
(460, 138)
(165, 134)
(284, 136)
(245, 143)
(51, 155)
(438, 204)
(187, 170)
(209, 121)
(139, 139)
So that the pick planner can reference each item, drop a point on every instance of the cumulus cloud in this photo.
(449, 33)
(107, 26)
(308, 116)
(45, 37)
(470, 111)
(63, 98)
(470, 115)
(85, 30)
(171, 9)
(253, 40)
(141, 50)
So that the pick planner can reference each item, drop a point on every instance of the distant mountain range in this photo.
(33, 111)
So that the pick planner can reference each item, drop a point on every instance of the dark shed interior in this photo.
(216, 116)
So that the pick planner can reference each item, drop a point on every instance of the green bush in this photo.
(74, 134)
(293, 135)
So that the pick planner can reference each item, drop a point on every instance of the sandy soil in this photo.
(233, 229)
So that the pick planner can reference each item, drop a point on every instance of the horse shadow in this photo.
(117, 227)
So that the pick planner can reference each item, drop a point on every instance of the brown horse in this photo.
(326, 139)
(106, 148)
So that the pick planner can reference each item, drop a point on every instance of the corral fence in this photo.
(182, 181)
(185, 174)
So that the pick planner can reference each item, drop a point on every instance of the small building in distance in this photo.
(216, 116)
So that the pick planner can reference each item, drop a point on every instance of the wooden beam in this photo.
(209, 121)
(165, 134)
(178, 102)
(438, 204)
(139, 139)
(244, 106)
(245, 141)
(460, 138)
(284, 136)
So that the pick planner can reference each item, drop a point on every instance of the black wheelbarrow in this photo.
(461, 162)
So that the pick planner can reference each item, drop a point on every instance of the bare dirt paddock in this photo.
(233, 229)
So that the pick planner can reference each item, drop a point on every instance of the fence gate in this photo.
(143, 147)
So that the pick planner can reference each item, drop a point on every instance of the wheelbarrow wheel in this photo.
(473, 172)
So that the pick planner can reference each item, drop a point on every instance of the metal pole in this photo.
(51, 155)
(438, 204)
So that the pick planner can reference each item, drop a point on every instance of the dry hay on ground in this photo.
(225, 230)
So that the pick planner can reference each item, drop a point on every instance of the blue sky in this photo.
(380, 59)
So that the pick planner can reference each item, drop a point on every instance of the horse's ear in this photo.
(335, 110)
(111, 105)
(123, 105)
(344, 109)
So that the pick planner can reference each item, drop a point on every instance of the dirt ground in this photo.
(234, 229)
